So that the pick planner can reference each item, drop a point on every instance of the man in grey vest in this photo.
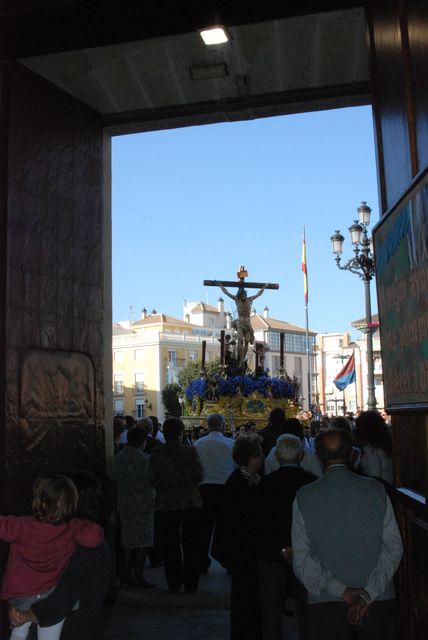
(346, 548)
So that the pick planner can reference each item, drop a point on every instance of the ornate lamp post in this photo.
(362, 264)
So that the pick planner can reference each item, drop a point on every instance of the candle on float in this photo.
(204, 349)
(222, 350)
(281, 350)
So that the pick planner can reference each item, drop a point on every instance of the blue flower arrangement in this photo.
(196, 389)
(244, 386)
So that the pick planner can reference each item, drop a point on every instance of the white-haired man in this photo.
(278, 490)
(215, 454)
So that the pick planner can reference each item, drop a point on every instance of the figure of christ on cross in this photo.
(243, 306)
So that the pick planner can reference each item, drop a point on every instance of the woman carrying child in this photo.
(41, 546)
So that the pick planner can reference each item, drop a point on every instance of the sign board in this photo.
(401, 255)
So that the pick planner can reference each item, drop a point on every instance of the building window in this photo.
(118, 383)
(296, 343)
(139, 408)
(193, 357)
(276, 365)
(293, 343)
(172, 358)
(139, 382)
(139, 354)
(118, 407)
(297, 366)
(118, 356)
(210, 322)
(273, 340)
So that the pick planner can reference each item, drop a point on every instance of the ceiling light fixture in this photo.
(214, 35)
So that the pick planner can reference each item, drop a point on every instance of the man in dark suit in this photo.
(274, 428)
(278, 491)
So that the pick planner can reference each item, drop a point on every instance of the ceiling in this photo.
(283, 65)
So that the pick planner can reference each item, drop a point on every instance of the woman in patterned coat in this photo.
(135, 504)
(176, 472)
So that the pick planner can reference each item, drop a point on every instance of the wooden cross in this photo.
(242, 274)
(243, 307)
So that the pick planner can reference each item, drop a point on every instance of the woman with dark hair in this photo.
(135, 504)
(176, 472)
(235, 539)
(373, 437)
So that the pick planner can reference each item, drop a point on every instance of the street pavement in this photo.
(156, 614)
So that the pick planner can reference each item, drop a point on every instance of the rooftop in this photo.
(260, 323)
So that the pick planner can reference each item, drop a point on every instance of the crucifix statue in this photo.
(243, 303)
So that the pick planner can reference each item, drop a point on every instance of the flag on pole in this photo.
(346, 375)
(304, 268)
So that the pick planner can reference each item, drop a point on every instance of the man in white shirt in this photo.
(346, 548)
(215, 453)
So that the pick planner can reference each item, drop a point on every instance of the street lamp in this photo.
(362, 264)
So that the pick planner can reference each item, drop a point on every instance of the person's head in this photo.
(306, 430)
(55, 499)
(196, 432)
(146, 424)
(129, 421)
(294, 426)
(173, 429)
(314, 427)
(324, 422)
(340, 422)
(277, 417)
(156, 425)
(118, 427)
(137, 436)
(371, 428)
(250, 427)
(215, 422)
(288, 449)
(91, 500)
(247, 451)
(334, 446)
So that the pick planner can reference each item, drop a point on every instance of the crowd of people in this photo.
(293, 510)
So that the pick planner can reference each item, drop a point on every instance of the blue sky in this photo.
(195, 203)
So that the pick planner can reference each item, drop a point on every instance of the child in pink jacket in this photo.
(41, 546)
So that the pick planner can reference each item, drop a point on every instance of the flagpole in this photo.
(309, 359)
(305, 288)
(356, 388)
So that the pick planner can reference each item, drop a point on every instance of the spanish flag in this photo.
(304, 268)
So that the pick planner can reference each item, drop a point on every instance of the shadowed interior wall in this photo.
(52, 288)
(399, 50)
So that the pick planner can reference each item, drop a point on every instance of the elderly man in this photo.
(278, 491)
(215, 454)
(151, 442)
(346, 548)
